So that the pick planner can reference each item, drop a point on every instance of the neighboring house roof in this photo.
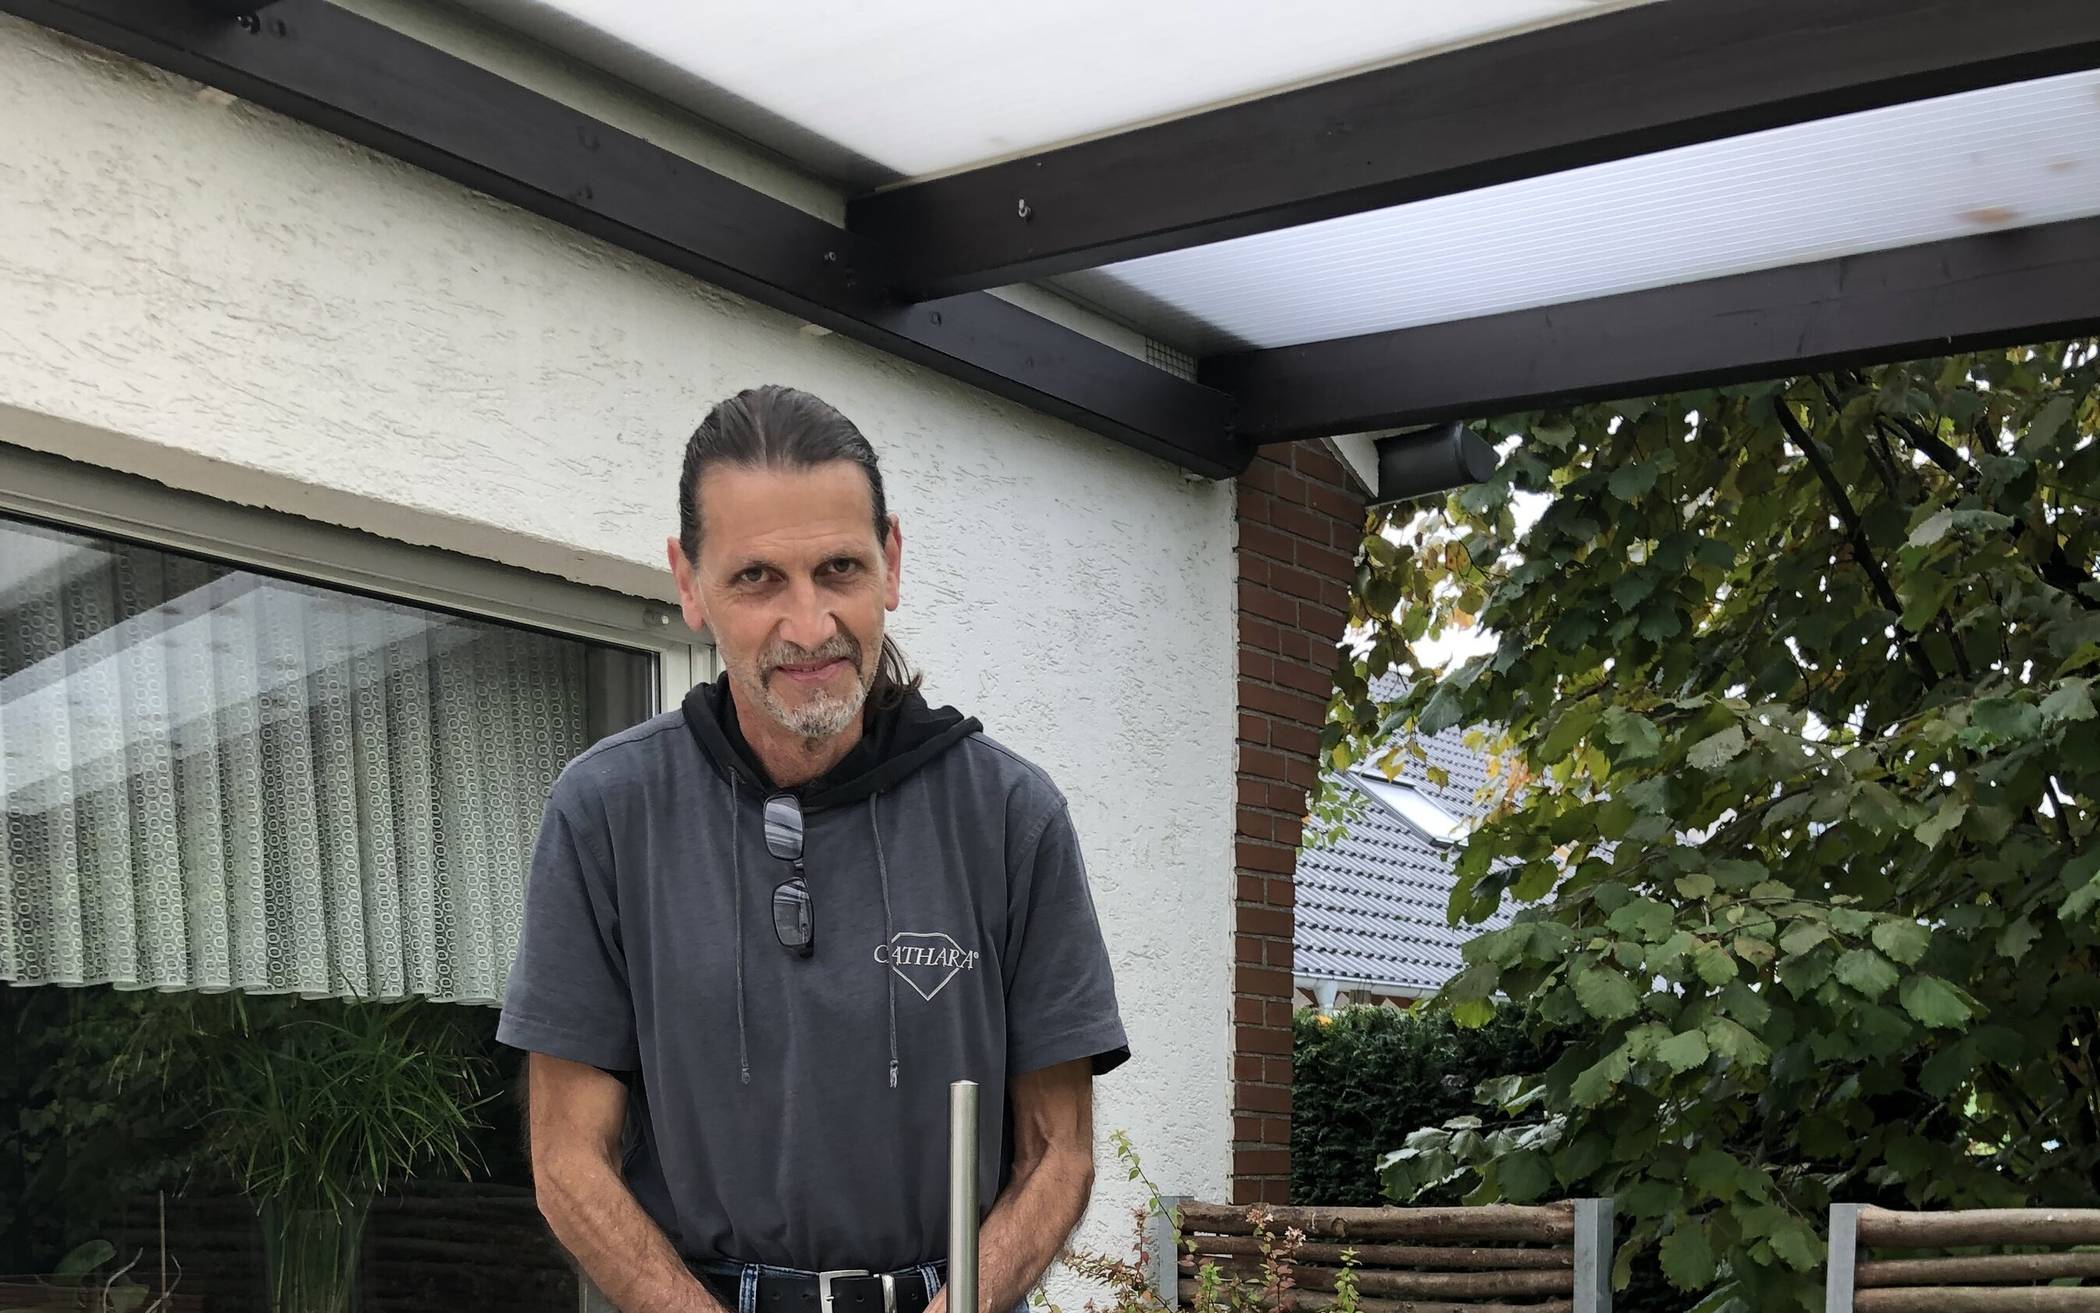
(1371, 907)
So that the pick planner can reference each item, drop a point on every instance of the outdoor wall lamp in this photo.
(1426, 462)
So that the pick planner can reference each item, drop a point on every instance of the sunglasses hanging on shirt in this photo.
(794, 916)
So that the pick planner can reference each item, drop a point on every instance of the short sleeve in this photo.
(567, 995)
(1060, 991)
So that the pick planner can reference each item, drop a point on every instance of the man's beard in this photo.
(823, 713)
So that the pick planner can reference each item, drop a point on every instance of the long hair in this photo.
(783, 428)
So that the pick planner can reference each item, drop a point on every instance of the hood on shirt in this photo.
(896, 742)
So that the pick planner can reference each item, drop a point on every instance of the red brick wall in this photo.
(1300, 521)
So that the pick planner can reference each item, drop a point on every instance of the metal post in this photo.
(1593, 1246)
(962, 1197)
(1839, 1272)
(1164, 1243)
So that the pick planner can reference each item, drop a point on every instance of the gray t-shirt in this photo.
(629, 961)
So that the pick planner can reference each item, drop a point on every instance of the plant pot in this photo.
(312, 1255)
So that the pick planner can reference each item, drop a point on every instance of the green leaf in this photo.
(1952, 809)
(1605, 994)
(1683, 1052)
(1736, 1044)
(1713, 964)
(1922, 595)
(1567, 732)
(2072, 701)
(1850, 920)
(1714, 1172)
(2003, 719)
(1660, 623)
(2017, 937)
(85, 1258)
(1477, 981)
(1687, 1256)
(1797, 1245)
(1803, 936)
(1629, 590)
(1584, 1156)
(1643, 918)
(1442, 712)
(1948, 1070)
(1866, 971)
(1735, 873)
(2046, 424)
(2081, 902)
(1745, 1004)
(1636, 735)
(1904, 941)
(1933, 1002)
(1696, 886)
(1524, 1175)
(1501, 947)
(1933, 528)
(1715, 751)
(1595, 1083)
(1473, 1013)
(1630, 481)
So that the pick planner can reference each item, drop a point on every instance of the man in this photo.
(764, 932)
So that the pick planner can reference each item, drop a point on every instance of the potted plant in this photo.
(317, 1107)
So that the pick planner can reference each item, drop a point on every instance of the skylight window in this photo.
(1413, 806)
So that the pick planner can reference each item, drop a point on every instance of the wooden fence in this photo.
(1966, 1282)
(1553, 1258)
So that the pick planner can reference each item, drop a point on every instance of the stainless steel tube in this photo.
(962, 1197)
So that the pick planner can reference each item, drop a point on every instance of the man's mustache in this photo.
(840, 647)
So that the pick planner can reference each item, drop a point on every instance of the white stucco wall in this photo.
(206, 294)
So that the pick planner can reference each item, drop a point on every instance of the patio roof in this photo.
(1350, 214)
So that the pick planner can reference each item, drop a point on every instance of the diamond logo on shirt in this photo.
(926, 962)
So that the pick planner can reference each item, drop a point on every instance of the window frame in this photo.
(1367, 783)
(69, 494)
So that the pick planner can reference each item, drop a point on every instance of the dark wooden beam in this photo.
(1638, 80)
(322, 65)
(1998, 289)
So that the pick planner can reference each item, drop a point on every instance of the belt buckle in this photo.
(824, 1280)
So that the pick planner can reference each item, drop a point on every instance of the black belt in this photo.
(828, 1292)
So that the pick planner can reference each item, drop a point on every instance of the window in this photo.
(1412, 806)
(218, 777)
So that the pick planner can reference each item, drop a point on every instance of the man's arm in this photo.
(577, 1113)
(1052, 1112)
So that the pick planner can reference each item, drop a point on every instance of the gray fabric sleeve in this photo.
(567, 995)
(1060, 990)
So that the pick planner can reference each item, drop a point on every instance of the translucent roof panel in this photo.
(2025, 153)
(918, 87)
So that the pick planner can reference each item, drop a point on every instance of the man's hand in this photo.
(577, 1113)
(1052, 1112)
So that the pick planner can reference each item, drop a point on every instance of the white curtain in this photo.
(214, 779)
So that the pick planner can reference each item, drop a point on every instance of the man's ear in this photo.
(682, 570)
(893, 564)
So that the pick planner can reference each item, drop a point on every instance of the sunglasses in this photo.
(794, 916)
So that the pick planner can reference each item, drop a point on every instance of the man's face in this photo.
(794, 583)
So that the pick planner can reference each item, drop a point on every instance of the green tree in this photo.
(1793, 696)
